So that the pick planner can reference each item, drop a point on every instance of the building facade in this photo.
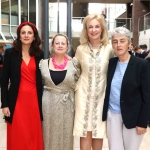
(13, 12)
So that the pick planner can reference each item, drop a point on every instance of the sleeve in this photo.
(5, 79)
(145, 89)
(77, 63)
(40, 67)
(77, 66)
(40, 64)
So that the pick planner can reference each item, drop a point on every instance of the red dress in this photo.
(25, 132)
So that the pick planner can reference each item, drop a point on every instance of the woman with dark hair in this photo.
(21, 102)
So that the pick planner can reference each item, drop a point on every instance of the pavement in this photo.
(145, 145)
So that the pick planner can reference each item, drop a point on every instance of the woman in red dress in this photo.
(21, 102)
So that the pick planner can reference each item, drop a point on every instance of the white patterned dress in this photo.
(90, 90)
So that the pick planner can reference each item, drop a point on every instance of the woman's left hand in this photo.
(141, 130)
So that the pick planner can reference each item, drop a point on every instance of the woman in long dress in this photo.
(21, 100)
(59, 78)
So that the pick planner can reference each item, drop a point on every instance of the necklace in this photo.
(95, 47)
(61, 66)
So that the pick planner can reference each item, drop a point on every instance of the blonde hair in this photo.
(60, 34)
(104, 35)
(52, 42)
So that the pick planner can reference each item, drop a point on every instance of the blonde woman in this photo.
(92, 57)
(59, 77)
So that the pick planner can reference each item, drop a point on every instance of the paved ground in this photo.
(144, 146)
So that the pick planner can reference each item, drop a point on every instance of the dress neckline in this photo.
(27, 64)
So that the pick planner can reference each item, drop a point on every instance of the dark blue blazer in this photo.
(135, 92)
(12, 71)
(143, 55)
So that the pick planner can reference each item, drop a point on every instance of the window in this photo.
(24, 10)
(5, 11)
(8, 36)
(14, 12)
(32, 11)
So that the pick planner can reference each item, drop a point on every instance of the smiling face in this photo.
(26, 35)
(60, 45)
(94, 30)
(120, 45)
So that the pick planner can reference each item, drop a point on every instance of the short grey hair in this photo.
(122, 31)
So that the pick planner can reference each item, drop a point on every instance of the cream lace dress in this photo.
(90, 89)
(92, 95)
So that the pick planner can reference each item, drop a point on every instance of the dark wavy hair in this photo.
(35, 49)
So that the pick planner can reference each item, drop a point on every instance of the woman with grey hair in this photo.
(92, 57)
(126, 104)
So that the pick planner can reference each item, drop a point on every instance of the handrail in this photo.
(144, 22)
(147, 14)
(77, 24)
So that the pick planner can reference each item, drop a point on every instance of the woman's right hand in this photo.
(6, 111)
(141, 130)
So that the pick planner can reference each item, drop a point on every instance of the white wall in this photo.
(96, 8)
(144, 38)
